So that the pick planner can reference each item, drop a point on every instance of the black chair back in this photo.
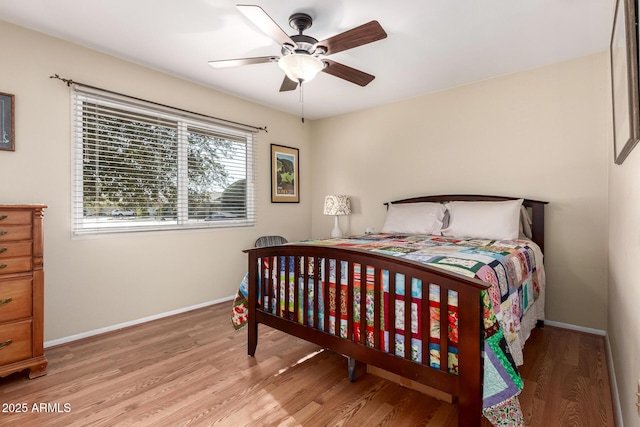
(270, 241)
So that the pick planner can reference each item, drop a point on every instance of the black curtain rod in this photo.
(69, 82)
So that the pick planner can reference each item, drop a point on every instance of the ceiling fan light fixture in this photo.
(300, 67)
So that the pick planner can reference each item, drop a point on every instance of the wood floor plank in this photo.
(192, 369)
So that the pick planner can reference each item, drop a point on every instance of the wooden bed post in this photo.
(252, 324)
(469, 357)
(537, 226)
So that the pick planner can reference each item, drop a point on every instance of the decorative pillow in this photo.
(486, 220)
(414, 218)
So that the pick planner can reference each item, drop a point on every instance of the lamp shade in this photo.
(300, 66)
(337, 205)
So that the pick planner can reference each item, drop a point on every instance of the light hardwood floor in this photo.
(192, 369)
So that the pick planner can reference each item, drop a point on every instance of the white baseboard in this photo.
(134, 322)
(576, 328)
(615, 397)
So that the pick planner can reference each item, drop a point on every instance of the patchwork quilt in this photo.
(513, 268)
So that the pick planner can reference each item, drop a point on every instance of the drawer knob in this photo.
(3, 217)
(5, 344)
(2, 266)
(6, 301)
(3, 232)
(3, 250)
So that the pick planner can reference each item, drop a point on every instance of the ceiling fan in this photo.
(303, 56)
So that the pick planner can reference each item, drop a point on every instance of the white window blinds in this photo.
(140, 167)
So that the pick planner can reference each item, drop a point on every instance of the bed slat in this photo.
(377, 301)
(363, 303)
(444, 329)
(407, 317)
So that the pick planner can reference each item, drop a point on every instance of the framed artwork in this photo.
(7, 122)
(285, 175)
(624, 80)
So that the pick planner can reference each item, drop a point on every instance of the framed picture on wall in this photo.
(285, 175)
(624, 80)
(7, 123)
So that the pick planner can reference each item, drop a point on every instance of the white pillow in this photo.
(414, 218)
(486, 220)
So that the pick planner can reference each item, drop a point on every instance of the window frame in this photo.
(80, 226)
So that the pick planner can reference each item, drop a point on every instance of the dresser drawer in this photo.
(15, 265)
(15, 341)
(13, 217)
(14, 232)
(15, 249)
(15, 299)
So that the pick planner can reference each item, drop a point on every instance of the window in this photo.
(139, 167)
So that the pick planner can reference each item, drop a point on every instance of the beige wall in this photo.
(97, 283)
(624, 285)
(537, 134)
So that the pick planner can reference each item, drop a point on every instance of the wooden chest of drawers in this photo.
(21, 290)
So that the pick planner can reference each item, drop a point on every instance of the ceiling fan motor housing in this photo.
(305, 44)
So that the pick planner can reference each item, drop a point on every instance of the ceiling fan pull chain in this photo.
(301, 100)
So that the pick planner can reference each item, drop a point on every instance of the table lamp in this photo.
(337, 205)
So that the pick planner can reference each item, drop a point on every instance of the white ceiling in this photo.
(431, 44)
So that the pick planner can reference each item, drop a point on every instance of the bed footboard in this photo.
(375, 309)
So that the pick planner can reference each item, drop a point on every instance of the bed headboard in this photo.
(535, 207)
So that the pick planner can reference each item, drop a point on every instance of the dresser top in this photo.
(5, 207)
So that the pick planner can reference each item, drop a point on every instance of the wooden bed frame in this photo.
(466, 386)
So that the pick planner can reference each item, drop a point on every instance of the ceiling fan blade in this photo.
(288, 84)
(347, 73)
(365, 33)
(226, 63)
(262, 20)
